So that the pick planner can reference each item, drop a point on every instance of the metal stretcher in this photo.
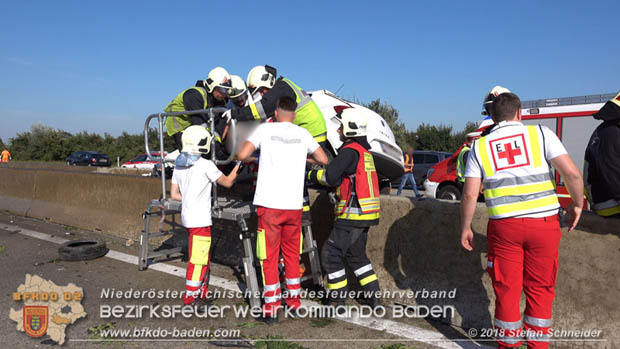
(222, 208)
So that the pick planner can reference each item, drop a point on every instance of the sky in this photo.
(103, 66)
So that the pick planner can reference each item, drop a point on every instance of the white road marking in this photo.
(389, 326)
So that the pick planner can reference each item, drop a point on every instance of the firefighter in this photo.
(266, 90)
(194, 175)
(208, 93)
(238, 95)
(462, 158)
(278, 199)
(603, 161)
(6, 156)
(357, 209)
(513, 161)
(262, 82)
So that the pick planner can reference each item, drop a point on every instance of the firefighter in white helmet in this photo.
(262, 82)
(513, 161)
(357, 208)
(194, 175)
(208, 93)
(238, 95)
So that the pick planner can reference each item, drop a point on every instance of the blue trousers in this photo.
(408, 176)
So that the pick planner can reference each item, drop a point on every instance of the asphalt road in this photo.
(21, 255)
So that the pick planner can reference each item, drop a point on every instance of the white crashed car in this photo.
(388, 156)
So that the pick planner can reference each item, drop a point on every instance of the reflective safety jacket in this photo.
(180, 123)
(408, 161)
(353, 173)
(516, 175)
(309, 116)
(461, 163)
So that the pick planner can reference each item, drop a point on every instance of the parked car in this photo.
(88, 158)
(142, 162)
(423, 160)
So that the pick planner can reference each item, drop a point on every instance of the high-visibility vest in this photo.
(180, 123)
(461, 164)
(408, 161)
(309, 116)
(516, 175)
(363, 186)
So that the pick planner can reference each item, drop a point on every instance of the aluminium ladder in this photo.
(222, 208)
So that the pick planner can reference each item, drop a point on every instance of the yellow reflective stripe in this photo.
(306, 208)
(522, 206)
(535, 144)
(196, 273)
(337, 285)
(359, 217)
(484, 157)
(368, 279)
(320, 176)
(301, 241)
(320, 138)
(519, 190)
(254, 111)
(608, 211)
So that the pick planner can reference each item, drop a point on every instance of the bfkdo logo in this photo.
(36, 318)
(47, 309)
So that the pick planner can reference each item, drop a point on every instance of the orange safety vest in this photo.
(5, 156)
(408, 161)
(366, 189)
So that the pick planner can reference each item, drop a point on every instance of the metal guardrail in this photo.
(160, 120)
(554, 102)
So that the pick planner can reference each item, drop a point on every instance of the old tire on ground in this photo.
(81, 250)
(449, 192)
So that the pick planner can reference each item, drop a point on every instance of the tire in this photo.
(81, 250)
(68, 163)
(449, 192)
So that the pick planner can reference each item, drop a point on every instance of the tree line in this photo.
(44, 143)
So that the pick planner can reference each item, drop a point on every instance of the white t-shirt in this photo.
(195, 184)
(553, 148)
(284, 148)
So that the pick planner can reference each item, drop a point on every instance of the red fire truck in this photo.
(570, 118)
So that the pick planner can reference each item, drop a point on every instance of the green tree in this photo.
(390, 115)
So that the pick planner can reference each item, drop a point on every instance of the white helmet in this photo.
(218, 77)
(261, 76)
(354, 123)
(196, 140)
(238, 87)
(490, 97)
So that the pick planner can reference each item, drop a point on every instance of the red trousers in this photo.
(523, 255)
(199, 248)
(279, 230)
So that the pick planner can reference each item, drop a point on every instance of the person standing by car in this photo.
(6, 156)
(461, 160)
(513, 161)
(194, 175)
(357, 208)
(408, 176)
(278, 199)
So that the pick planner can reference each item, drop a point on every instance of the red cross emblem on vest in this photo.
(509, 152)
